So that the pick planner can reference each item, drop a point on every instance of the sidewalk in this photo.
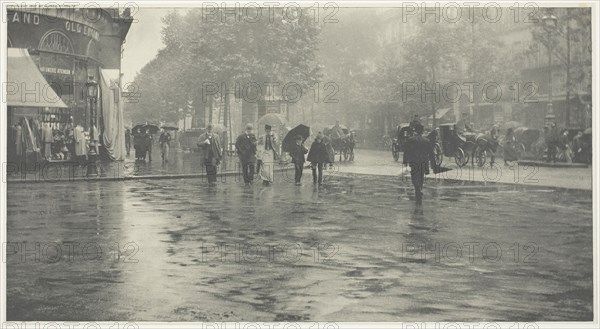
(180, 165)
(370, 162)
(552, 164)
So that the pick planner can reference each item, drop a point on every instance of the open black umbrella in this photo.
(137, 129)
(290, 138)
(153, 129)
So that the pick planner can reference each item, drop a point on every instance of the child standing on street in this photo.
(297, 153)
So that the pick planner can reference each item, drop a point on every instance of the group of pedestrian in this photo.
(142, 144)
(259, 155)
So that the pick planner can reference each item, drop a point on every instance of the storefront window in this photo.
(56, 41)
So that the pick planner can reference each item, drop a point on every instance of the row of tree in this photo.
(367, 72)
(202, 51)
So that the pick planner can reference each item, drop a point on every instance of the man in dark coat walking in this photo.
(297, 153)
(318, 156)
(418, 151)
(245, 146)
(212, 153)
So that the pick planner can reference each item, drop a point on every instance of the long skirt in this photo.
(510, 153)
(267, 167)
(165, 151)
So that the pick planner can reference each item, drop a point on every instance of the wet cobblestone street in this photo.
(355, 249)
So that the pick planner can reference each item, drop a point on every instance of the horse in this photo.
(484, 143)
(347, 146)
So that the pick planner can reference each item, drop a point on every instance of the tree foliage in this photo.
(208, 47)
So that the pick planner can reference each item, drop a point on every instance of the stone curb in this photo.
(126, 178)
(552, 165)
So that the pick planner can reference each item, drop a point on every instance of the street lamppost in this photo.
(549, 22)
(92, 94)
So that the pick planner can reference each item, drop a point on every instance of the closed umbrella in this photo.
(290, 138)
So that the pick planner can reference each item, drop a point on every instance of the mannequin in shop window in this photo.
(80, 141)
(47, 140)
(70, 138)
(18, 140)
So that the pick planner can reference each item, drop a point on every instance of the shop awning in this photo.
(26, 86)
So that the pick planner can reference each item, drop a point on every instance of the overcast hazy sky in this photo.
(143, 41)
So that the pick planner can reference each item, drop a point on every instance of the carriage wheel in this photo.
(395, 153)
(481, 157)
(460, 158)
(439, 156)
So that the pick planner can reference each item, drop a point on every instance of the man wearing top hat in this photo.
(245, 146)
(418, 152)
(212, 153)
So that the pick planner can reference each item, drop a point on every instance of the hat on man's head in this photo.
(208, 126)
(267, 127)
(249, 126)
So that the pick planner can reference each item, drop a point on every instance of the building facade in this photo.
(71, 47)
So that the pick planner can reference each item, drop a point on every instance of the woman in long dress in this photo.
(510, 149)
(266, 153)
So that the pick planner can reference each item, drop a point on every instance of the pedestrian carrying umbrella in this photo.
(137, 129)
(153, 129)
(290, 138)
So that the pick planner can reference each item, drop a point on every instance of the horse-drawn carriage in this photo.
(404, 132)
(529, 141)
(343, 144)
(465, 147)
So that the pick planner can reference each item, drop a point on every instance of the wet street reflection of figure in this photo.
(212, 153)
(417, 154)
(245, 146)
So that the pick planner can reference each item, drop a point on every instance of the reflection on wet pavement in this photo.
(356, 249)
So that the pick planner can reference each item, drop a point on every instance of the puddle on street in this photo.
(356, 249)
